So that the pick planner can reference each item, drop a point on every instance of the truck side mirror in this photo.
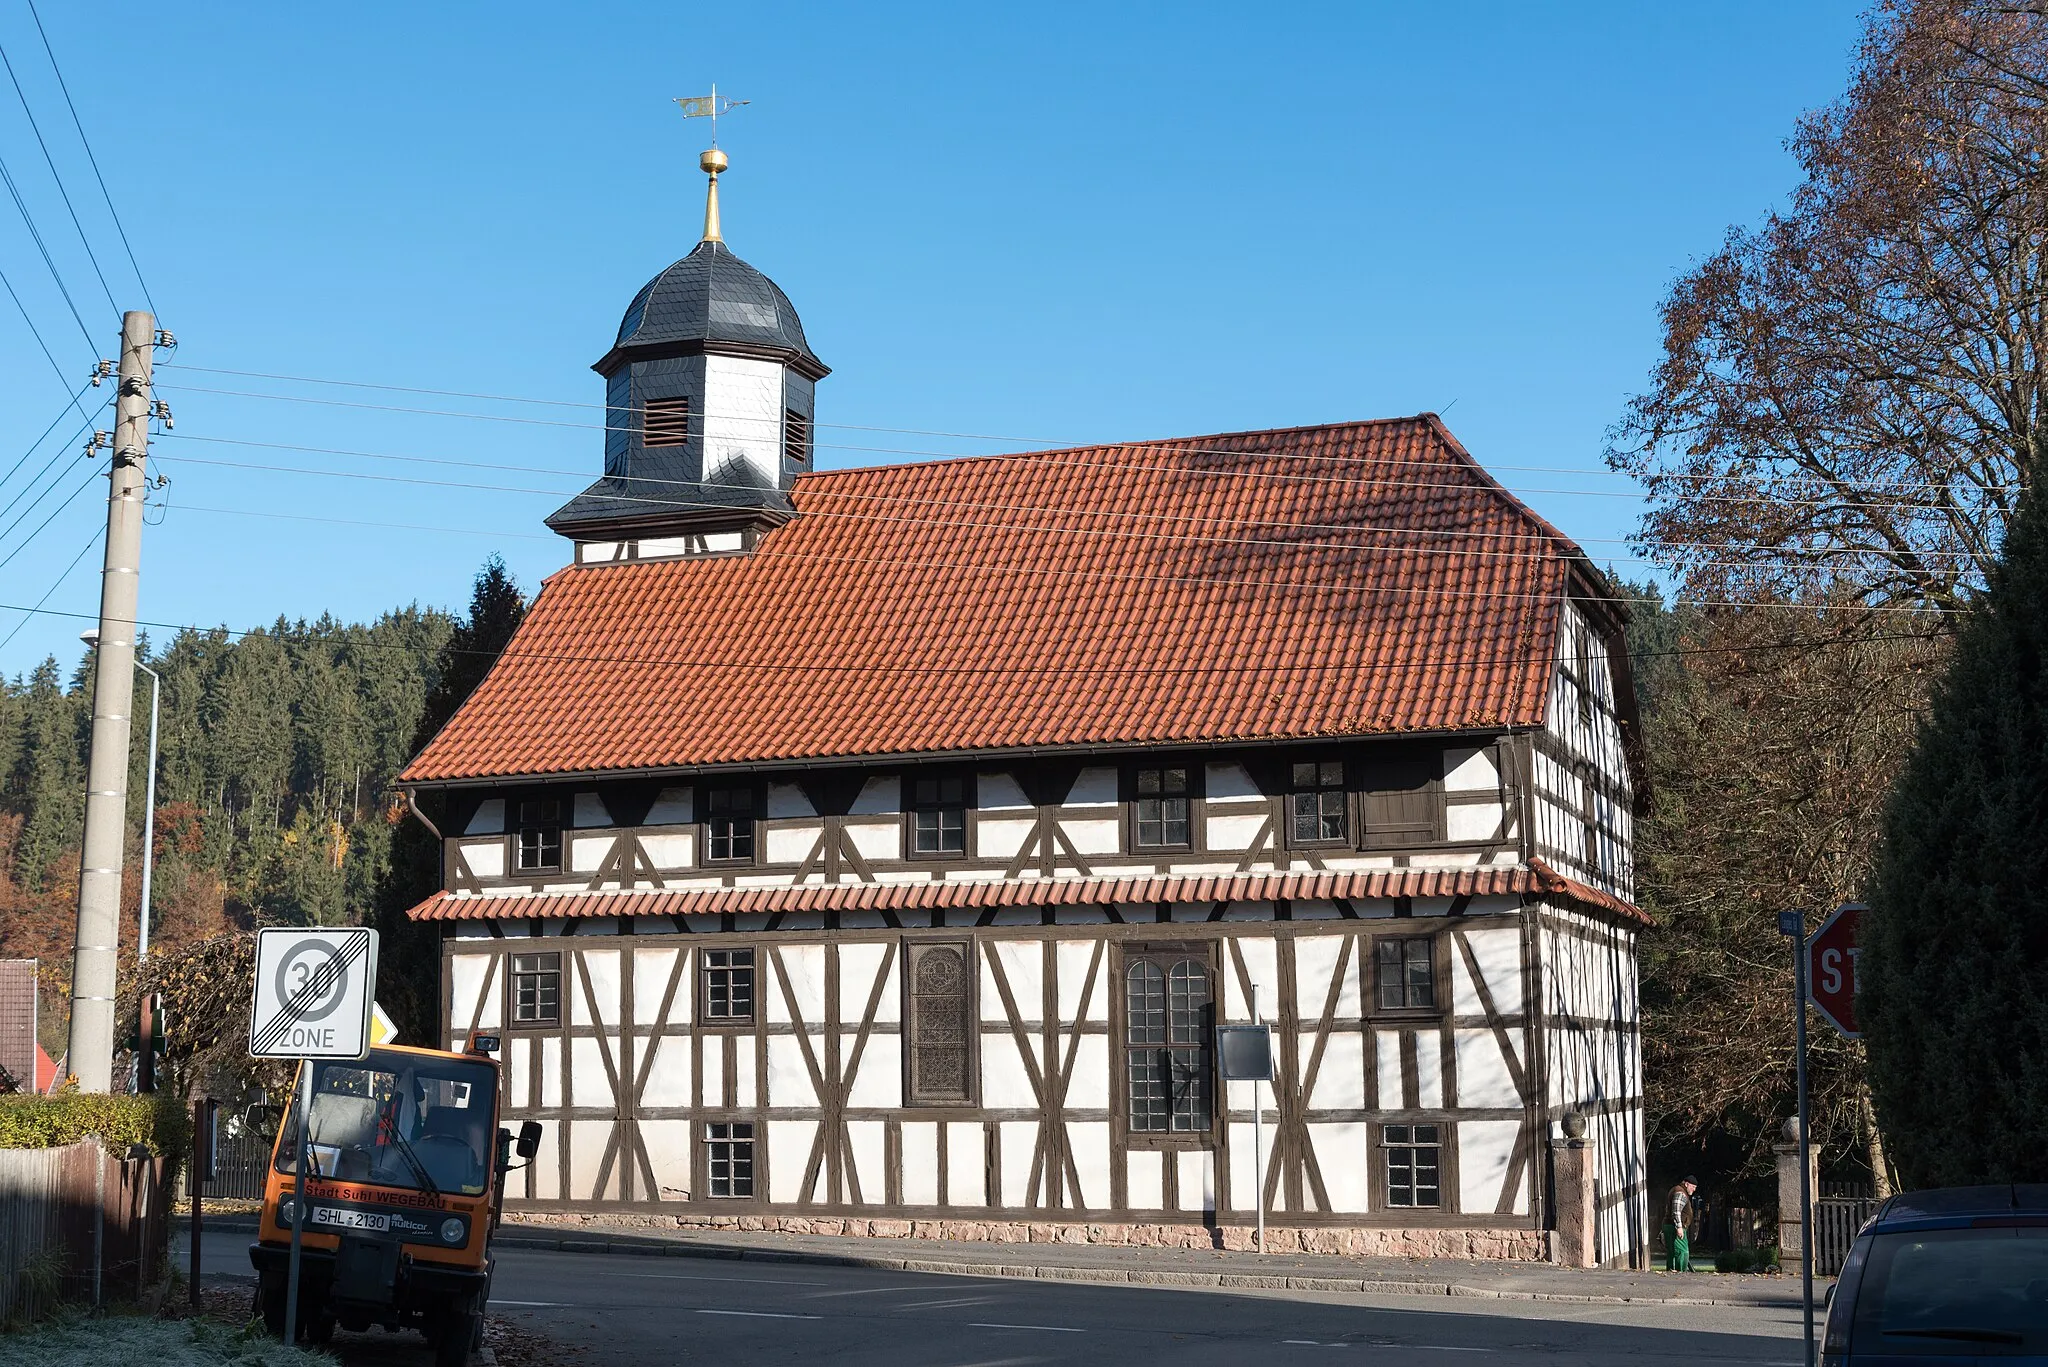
(529, 1139)
(260, 1117)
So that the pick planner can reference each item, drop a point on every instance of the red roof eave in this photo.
(1537, 879)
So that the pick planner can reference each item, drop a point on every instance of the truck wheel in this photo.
(320, 1328)
(458, 1331)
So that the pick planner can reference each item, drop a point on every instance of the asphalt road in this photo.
(615, 1311)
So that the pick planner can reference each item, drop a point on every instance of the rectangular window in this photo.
(729, 824)
(1414, 1155)
(941, 1021)
(1318, 802)
(1404, 973)
(666, 422)
(938, 816)
(1161, 818)
(729, 1158)
(1169, 1028)
(796, 437)
(727, 983)
(540, 836)
(536, 989)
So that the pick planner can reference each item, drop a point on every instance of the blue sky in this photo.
(1055, 223)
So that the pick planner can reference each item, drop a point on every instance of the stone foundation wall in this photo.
(1528, 1245)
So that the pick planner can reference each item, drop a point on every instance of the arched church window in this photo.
(941, 1023)
(1168, 1059)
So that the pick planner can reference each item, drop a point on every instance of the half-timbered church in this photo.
(878, 850)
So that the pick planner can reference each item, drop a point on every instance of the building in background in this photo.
(19, 1051)
(877, 850)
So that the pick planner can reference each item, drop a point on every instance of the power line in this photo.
(357, 522)
(38, 333)
(7, 177)
(1546, 538)
(23, 460)
(1352, 666)
(87, 143)
(51, 162)
(62, 504)
(1090, 575)
(1352, 548)
(48, 465)
(1044, 444)
(28, 614)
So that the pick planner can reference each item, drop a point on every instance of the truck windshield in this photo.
(399, 1120)
(1955, 1293)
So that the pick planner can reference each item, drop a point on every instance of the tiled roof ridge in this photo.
(1533, 878)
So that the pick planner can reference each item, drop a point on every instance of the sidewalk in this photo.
(1171, 1267)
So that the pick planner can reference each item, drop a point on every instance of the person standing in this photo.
(1678, 1226)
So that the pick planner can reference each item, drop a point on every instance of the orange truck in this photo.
(405, 1172)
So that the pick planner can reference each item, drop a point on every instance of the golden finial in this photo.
(712, 161)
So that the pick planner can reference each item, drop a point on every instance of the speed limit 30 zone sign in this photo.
(313, 993)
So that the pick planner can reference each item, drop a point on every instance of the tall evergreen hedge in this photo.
(1954, 987)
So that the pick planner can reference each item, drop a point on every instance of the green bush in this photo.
(1761, 1259)
(158, 1122)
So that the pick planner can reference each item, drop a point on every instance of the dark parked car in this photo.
(1960, 1273)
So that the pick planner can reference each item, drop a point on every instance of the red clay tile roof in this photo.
(1315, 582)
(1537, 879)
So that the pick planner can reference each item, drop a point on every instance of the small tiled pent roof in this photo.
(1321, 582)
(1537, 879)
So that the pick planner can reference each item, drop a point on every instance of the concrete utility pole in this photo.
(113, 696)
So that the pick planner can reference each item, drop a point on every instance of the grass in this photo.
(134, 1341)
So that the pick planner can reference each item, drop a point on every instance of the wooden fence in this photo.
(241, 1164)
(1836, 1219)
(77, 1224)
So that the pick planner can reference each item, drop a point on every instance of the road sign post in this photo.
(1245, 1054)
(314, 996)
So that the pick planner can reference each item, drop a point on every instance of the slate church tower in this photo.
(708, 391)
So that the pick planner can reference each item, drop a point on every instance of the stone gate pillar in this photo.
(1577, 1219)
(1791, 1238)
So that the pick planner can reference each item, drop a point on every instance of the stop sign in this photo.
(1832, 970)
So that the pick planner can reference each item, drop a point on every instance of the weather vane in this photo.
(713, 161)
(709, 107)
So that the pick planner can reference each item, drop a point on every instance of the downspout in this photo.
(412, 805)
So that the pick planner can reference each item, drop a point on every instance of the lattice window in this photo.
(1318, 803)
(729, 824)
(729, 1158)
(1168, 1029)
(1414, 1158)
(536, 989)
(938, 816)
(666, 422)
(727, 982)
(540, 836)
(941, 1022)
(1404, 973)
(1161, 818)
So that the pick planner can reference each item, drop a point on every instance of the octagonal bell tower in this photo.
(709, 393)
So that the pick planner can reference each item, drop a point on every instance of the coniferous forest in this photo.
(274, 805)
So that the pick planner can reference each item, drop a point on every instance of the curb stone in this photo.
(645, 1247)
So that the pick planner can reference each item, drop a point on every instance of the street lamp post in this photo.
(91, 637)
